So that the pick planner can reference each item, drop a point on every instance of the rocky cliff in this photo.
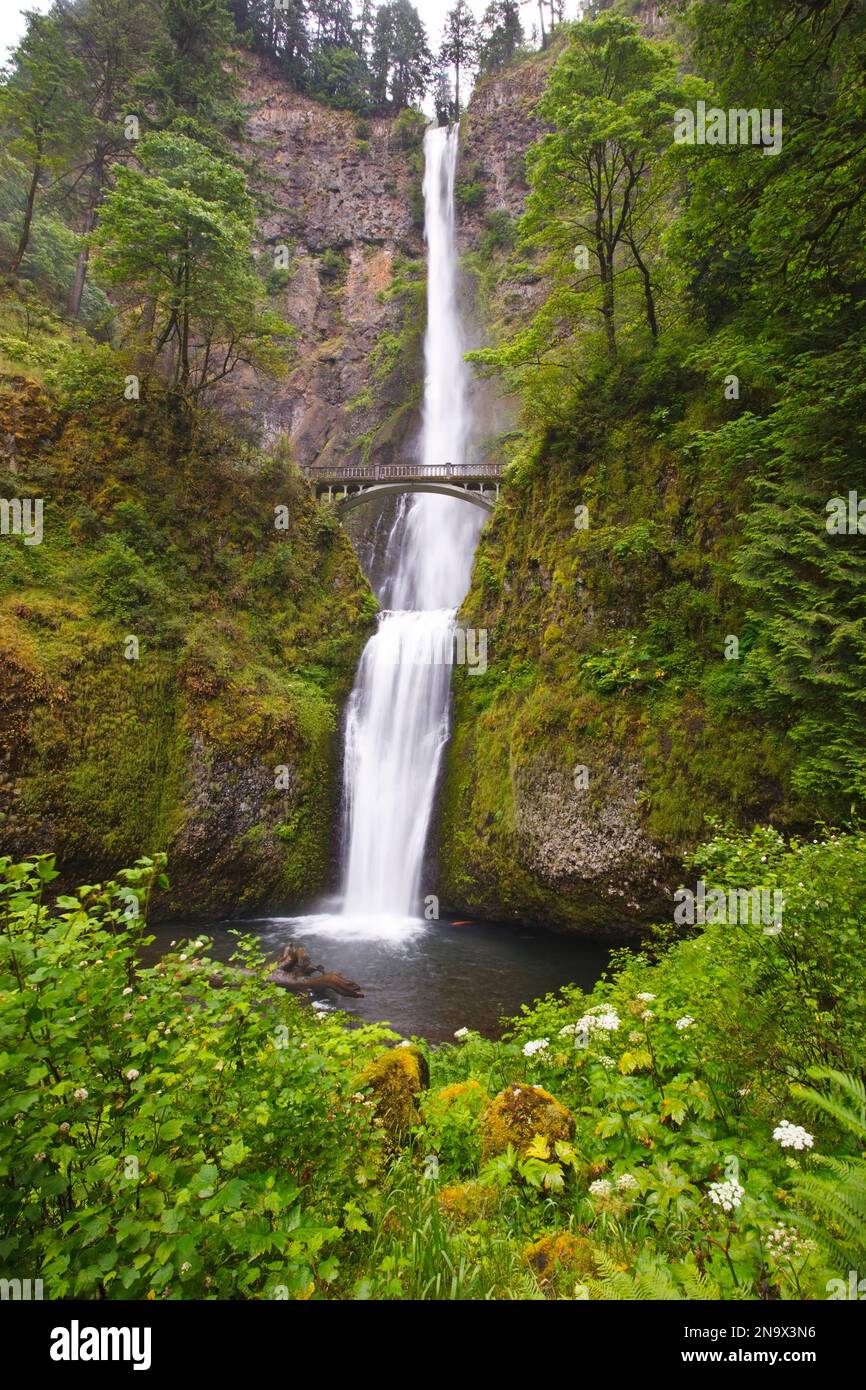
(342, 235)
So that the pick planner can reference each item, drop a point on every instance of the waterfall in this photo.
(398, 717)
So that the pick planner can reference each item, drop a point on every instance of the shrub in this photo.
(162, 1138)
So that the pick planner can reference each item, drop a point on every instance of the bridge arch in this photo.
(377, 491)
(350, 486)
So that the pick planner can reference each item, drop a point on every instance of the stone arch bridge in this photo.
(355, 486)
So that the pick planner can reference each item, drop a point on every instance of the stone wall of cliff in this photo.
(341, 195)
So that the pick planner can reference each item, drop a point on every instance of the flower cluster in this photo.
(783, 1242)
(601, 1019)
(727, 1195)
(535, 1045)
(793, 1136)
(685, 1022)
(601, 1188)
(627, 1182)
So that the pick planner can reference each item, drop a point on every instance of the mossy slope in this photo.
(218, 740)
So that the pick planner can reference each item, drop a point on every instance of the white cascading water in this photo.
(398, 717)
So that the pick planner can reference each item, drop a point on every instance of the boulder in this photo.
(517, 1114)
(396, 1079)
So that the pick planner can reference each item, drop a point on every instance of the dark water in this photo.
(424, 978)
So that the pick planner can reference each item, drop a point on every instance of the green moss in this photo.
(166, 649)
(396, 1080)
(518, 1114)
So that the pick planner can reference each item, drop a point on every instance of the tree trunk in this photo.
(75, 294)
(24, 239)
(296, 972)
(648, 292)
(316, 984)
(607, 306)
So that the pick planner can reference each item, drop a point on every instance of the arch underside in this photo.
(371, 494)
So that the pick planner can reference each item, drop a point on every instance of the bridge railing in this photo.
(385, 472)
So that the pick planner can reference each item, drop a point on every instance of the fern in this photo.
(836, 1196)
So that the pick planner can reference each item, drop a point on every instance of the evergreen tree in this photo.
(501, 37)
(109, 38)
(365, 26)
(459, 48)
(402, 63)
(187, 78)
(41, 114)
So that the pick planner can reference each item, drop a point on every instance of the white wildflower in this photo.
(626, 1182)
(727, 1195)
(81, 1093)
(535, 1045)
(685, 1022)
(793, 1136)
(601, 1188)
(646, 998)
(605, 1021)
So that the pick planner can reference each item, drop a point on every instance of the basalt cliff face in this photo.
(343, 231)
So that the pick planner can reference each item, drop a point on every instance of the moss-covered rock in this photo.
(518, 1114)
(396, 1079)
(563, 1254)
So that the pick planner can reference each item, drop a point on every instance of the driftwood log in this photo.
(295, 971)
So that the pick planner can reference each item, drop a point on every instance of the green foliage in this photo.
(470, 195)
(163, 1138)
(410, 129)
(708, 516)
(835, 1195)
(333, 265)
(177, 233)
